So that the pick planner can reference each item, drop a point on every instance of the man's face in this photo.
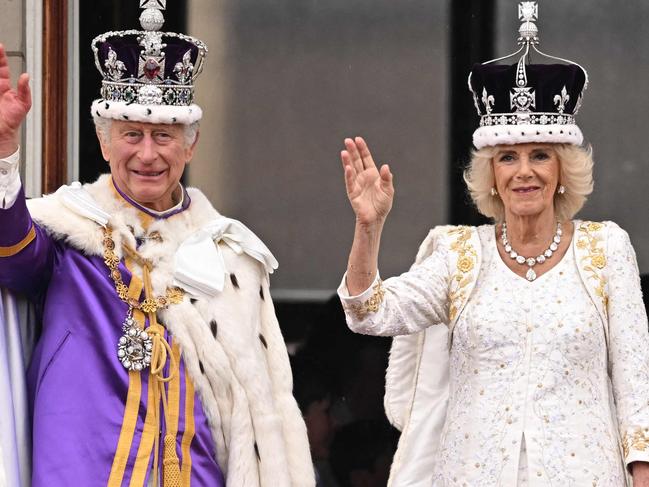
(147, 160)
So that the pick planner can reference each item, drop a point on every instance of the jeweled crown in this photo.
(148, 75)
(526, 102)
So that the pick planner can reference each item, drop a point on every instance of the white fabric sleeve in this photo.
(9, 180)
(628, 346)
(401, 305)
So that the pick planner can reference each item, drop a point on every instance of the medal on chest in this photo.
(135, 346)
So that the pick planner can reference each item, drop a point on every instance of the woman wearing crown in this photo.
(521, 354)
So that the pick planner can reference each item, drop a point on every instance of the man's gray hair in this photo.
(103, 126)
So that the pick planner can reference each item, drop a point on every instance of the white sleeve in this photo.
(404, 304)
(9, 180)
(628, 347)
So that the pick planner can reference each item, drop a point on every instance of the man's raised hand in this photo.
(14, 106)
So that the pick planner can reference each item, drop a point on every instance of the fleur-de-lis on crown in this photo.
(114, 66)
(487, 100)
(578, 104)
(183, 70)
(561, 100)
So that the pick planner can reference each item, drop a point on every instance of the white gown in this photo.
(529, 360)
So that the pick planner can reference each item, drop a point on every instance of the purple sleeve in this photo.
(26, 250)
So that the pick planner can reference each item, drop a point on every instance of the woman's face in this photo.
(527, 176)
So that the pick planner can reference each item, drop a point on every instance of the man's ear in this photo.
(105, 146)
(189, 151)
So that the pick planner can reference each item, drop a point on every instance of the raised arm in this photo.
(14, 106)
(370, 192)
(402, 305)
(26, 252)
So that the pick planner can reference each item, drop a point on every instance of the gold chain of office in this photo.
(174, 295)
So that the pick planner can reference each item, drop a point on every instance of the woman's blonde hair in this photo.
(576, 175)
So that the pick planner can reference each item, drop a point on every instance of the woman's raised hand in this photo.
(14, 106)
(370, 190)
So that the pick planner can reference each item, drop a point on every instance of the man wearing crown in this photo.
(160, 360)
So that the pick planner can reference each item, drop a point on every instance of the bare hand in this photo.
(14, 106)
(370, 191)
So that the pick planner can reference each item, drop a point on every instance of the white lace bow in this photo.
(199, 267)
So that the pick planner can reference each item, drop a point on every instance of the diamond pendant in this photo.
(531, 275)
(134, 347)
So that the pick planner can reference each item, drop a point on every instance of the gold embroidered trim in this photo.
(637, 440)
(14, 249)
(595, 259)
(466, 261)
(370, 305)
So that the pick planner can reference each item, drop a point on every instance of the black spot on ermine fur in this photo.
(200, 364)
(263, 341)
(261, 293)
(213, 327)
(257, 452)
(235, 281)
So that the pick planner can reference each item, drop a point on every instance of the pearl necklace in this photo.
(532, 261)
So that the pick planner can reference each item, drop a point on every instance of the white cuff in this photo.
(343, 292)
(358, 307)
(9, 179)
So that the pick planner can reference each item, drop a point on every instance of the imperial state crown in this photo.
(148, 75)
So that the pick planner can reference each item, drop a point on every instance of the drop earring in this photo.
(561, 189)
(494, 192)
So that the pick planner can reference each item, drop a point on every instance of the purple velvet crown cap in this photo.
(546, 80)
(128, 51)
(148, 76)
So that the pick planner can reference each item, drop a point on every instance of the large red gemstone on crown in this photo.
(151, 68)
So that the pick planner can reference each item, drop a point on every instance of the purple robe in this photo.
(77, 387)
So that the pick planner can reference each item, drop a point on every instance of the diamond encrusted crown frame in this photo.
(527, 102)
(148, 75)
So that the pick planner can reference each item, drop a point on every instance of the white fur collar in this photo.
(199, 267)
(126, 221)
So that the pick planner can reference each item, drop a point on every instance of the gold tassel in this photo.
(170, 464)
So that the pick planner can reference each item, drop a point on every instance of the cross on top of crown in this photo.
(528, 11)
